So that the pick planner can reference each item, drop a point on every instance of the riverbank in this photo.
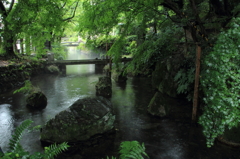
(14, 73)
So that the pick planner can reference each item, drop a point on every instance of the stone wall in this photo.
(14, 75)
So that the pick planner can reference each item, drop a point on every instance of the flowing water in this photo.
(164, 138)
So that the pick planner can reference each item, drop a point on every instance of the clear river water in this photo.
(164, 138)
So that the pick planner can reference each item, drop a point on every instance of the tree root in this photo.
(230, 143)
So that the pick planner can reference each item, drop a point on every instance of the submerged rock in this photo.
(159, 105)
(36, 100)
(104, 87)
(85, 119)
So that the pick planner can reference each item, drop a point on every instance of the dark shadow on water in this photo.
(122, 85)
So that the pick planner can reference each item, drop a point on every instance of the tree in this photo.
(221, 84)
(35, 21)
(202, 18)
(156, 26)
(6, 32)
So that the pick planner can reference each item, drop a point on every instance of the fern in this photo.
(55, 150)
(184, 79)
(14, 142)
(132, 150)
(16, 150)
(25, 89)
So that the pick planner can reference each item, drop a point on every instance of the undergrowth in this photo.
(16, 151)
(128, 149)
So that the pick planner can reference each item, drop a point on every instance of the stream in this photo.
(164, 138)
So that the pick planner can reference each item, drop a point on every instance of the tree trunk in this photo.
(21, 46)
(8, 42)
(9, 47)
(27, 45)
(197, 75)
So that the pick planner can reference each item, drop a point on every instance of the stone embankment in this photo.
(14, 75)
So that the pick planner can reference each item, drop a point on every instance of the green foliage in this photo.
(16, 150)
(185, 77)
(154, 48)
(101, 42)
(185, 80)
(35, 22)
(59, 51)
(141, 29)
(53, 69)
(54, 150)
(14, 142)
(27, 88)
(221, 84)
(131, 150)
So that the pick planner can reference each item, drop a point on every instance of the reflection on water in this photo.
(169, 138)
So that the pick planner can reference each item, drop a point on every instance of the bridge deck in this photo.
(87, 61)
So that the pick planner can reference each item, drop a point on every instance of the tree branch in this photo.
(198, 20)
(73, 13)
(169, 4)
(3, 9)
(11, 6)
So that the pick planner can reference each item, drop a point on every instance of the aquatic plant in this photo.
(16, 150)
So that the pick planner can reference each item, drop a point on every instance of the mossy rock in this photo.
(36, 100)
(52, 69)
(160, 105)
(104, 87)
(164, 73)
(163, 79)
(82, 121)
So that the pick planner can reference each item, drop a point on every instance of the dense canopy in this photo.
(149, 31)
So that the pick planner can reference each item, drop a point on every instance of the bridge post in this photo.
(99, 68)
(63, 69)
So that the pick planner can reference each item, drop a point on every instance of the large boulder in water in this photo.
(160, 105)
(36, 100)
(82, 121)
(104, 87)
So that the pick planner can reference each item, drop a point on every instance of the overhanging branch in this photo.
(3, 9)
(74, 12)
(11, 6)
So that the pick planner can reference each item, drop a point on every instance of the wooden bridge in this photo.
(86, 61)
(99, 63)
